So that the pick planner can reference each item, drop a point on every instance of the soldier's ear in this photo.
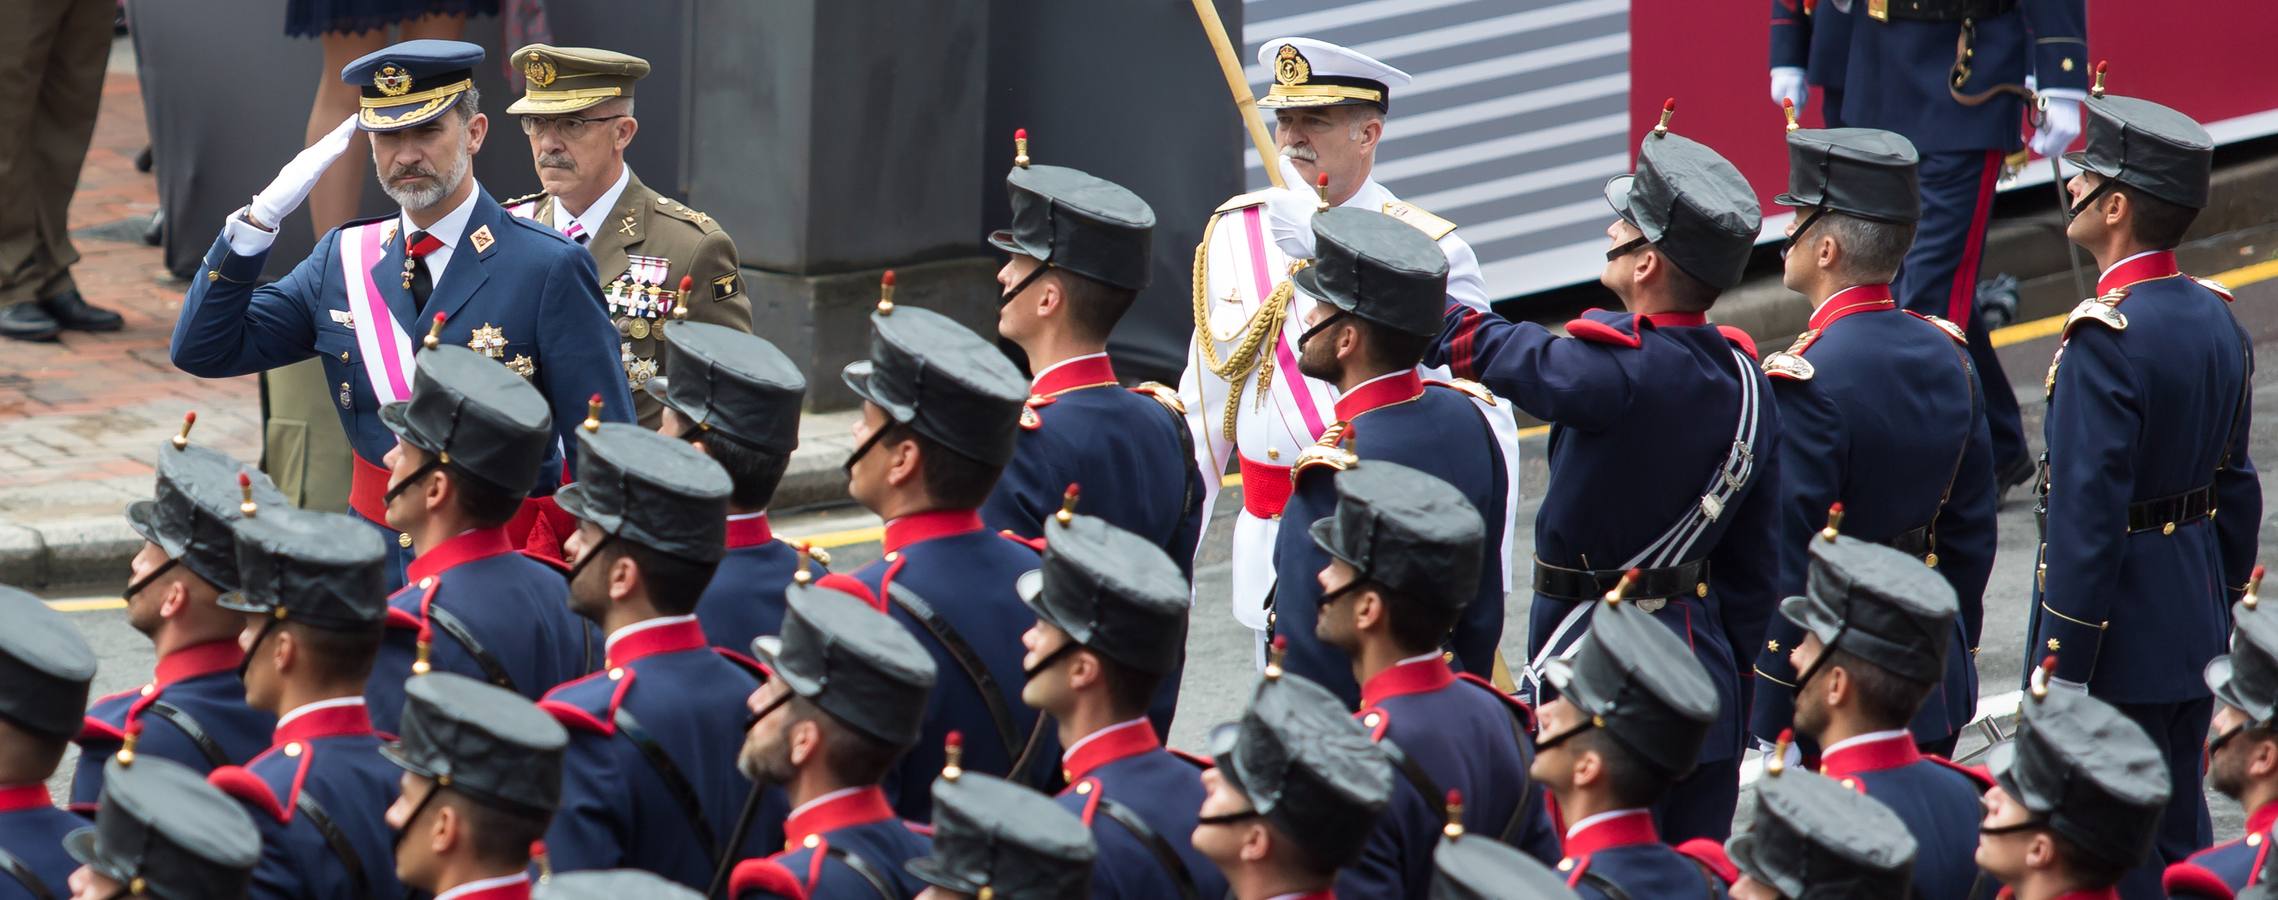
(626, 128)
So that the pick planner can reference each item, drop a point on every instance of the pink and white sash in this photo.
(385, 347)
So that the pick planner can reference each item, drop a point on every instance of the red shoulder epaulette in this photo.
(579, 718)
(94, 729)
(1091, 797)
(1377, 728)
(1597, 332)
(2189, 879)
(248, 788)
(1977, 774)
(1513, 701)
(1710, 855)
(1738, 338)
(745, 663)
(1034, 543)
(765, 876)
(851, 586)
(1191, 758)
(1581, 865)
(400, 619)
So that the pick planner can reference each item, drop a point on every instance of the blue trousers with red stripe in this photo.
(1939, 276)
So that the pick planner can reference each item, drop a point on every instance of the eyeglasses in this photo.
(568, 126)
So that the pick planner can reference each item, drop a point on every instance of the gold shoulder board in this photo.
(1163, 394)
(2104, 310)
(1952, 330)
(1788, 365)
(682, 212)
(525, 198)
(1432, 226)
(1477, 391)
(1328, 452)
(1243, 201)
(2220, 289)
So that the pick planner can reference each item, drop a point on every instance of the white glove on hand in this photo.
(1788, 84)
(1289, 211)
(297, 178)
(2060, 122)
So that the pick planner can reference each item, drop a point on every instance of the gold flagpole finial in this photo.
(1778, 761)
(1788, 107)
(2253, 589)
(1454, 828)
(953, 756)
(886, 293)
(1621, 588)
(182, 438)
(2096, 87)
(1834, 523)
(1067, 511)
(434, 334)
(1274, 654)
(245, 505)
(1668, 111)
(592, 421)
(1020, 147)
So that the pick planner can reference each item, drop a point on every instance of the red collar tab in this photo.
(513, 890)
(24, 796)
(1676, 319)
(1082, 372)
(1419, 677)
(925, 526)
(1626, 830)
(1871, 756)
(481, 543)
(2260, 820)
(1857, 298)
(2142, 268)
(352, 720)
(750, 532)
(648, 642)
(1380, 393)
(859, 808)
(201, 659)
(2104, 893)
(1120, 742)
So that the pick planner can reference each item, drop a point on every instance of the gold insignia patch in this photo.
(1792, 367)
(2104, 310)
(1472, 388)
(523, 365)
(1952, 330)
(343, 318)
(1290, 67)
(1432, 226)
(1029, 420)
(1163, 394)
(482, 239)
(639, 371)
(489, 340)
(392, 80)
(1328, 452)
(538, 69)
(726, 286)
(2220, 289)
(1244, 201)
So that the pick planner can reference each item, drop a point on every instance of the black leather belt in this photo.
(1683, 579)
(2165, 513)
(1944, 10)
(1914, 543)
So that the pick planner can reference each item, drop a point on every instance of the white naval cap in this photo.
(1307, 72)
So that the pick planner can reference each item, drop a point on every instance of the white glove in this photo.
(1793, 757)
(1788, 84)
(1289, 211)
(293, 182)
(2060, 121)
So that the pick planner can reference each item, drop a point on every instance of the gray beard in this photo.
(420, 199)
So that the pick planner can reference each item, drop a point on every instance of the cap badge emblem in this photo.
(538, 69)
(1290, 67)
(392, 80)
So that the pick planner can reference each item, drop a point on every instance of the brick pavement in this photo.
(81, 419)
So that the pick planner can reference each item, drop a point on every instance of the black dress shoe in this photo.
(2020, 470)
(71, 311)
(27, 322)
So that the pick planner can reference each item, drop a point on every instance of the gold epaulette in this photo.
(683, 212)
(1952, 330)
(2220, 289)
(1786, 365)
(1163, 394)
(518, 201)
(2104, 310)
(1432, 226)
(1328, 452)
(1476, 390)
(1242, 201)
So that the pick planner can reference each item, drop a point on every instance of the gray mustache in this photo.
(557, 161)
(1300, 153)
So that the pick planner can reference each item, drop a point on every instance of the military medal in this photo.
(347, 398)
(489, 340)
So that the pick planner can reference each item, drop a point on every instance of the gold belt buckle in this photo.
(1878, 10)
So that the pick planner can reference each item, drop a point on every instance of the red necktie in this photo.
(415, 255)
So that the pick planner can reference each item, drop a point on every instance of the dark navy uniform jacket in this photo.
(1126, 765)
(514, 607)
(1125, 447)
(1885, 415)
(1814, 37)
(1459, 733)
(1897, 72)
(665, 691)
(821, 834)
(1435, 429)
(200, 683)
(2221, 871)
(1937, 800)
(2155, 410)
(1643, 412)
(535, 288)
(32, 830)
(324, 756)
(965, 573)
(745, 598)
(1622, 849)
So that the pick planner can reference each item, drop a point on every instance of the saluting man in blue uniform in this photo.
(2149, 399)
(1405, 554)
(193, 711)
(511, 289)
(848, 699)
(649, 780)
(940, 417)
(1955, 77)
(1383, 287)
(1664, 444)
(314, 614)
(1880, 412)
(1877, 634)
(1078, 248)
(467, 448)
(1111, 616)
(47, 666)
(736, 398)
(2242, 755)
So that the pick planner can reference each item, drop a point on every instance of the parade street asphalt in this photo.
(1219, 673)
